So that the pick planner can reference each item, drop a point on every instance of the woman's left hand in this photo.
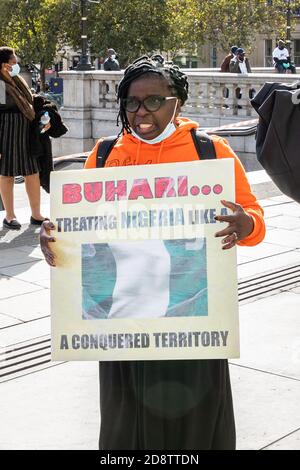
(240, 225)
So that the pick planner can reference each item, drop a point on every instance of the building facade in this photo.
(260, 54)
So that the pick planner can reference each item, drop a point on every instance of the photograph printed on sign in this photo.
(144, 279)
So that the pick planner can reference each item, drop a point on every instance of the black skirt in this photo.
(14, 146)
(159, 405)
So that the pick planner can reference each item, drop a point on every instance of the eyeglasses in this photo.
(151, 103)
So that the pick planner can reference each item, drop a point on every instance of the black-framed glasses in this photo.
(151, 103)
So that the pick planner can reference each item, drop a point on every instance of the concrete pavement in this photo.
(47, 405)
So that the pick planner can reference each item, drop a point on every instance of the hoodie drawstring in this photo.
(138, 153)
(160, 152)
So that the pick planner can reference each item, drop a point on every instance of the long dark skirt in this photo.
(174, 405)
(15, 152)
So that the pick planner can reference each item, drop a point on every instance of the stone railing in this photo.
(90, 107)
(218, 98)
(217, 69)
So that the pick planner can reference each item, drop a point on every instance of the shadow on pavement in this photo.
(12, 260)
(27, 235)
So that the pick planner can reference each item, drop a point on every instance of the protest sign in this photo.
(140, 274)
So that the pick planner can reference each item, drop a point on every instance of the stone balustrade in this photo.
(90, 107)
(218, 69)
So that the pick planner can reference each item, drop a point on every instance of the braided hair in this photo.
(154, 65)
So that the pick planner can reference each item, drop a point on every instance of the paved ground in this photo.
(47, 405)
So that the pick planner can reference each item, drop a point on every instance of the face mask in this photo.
(15, 70)
(167, 132)
(113, 56)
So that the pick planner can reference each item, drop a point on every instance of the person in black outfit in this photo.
(24, 151)
(111, 63)
(16, 116)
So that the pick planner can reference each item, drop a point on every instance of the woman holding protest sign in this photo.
(176, 404)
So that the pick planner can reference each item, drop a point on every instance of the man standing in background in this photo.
(111, 62)
(227, 59)
(240, 63)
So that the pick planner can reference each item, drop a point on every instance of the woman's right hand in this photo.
(45, 239)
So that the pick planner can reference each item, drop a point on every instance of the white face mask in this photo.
(167, 132)
(113, 56)
(15, 70)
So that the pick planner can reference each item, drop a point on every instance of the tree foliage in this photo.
(33, 28)
(225, 22)
(139, 26)
(132, 28)
(38, 28)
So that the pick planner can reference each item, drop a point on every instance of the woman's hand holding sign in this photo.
(45, 238)
(240, 225)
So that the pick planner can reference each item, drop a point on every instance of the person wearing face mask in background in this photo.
(111, 63)
(16, 115)
(180, 404)
(25, 149)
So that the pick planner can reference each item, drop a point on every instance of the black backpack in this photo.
(203, 143)
(278, 135)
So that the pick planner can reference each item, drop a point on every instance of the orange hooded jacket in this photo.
(179, 147)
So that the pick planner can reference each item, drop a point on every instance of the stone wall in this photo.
(90, 107)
